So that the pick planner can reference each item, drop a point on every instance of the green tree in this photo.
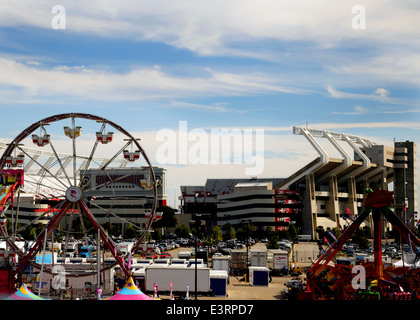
(292, 232)
(168, 218)
(29, 233)
(245, 232)
(361, 237)
(157, 234)
(273, 238)
(130, 231)
(214, 237)
(228, 232)
(217, 234)
(321, 232)
(337, 232)
(183, 231)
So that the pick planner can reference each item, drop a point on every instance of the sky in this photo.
(344, 66)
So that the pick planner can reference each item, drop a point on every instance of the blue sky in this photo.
(147, 65)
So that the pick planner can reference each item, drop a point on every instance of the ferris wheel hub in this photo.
(74, 194)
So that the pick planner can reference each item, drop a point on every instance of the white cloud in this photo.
(358, 110)
(214, 27)
(242, 28)
(81, 82)
(400, 65)
(397, 124)
(380, 94)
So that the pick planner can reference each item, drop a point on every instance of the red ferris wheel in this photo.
(78, 167)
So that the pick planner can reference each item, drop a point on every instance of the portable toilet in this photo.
(218, 282)
(259, 276)
(221, 263)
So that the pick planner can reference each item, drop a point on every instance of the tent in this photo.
(130, 292)
(24, 294)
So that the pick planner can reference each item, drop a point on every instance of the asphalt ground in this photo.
(238, 289)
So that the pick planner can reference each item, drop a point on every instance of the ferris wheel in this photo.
(80, 169)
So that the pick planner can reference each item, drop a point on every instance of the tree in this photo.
(337, 232)
(214, 237)
(157, 234)
(273, 238)
(228, 232)
(130, 231)
(245, 232)
(321, 232)
(168, 218)
(168, 221)
(29, 233)
(183, 231)
(361, 237)
(292, 232)
(216, 234)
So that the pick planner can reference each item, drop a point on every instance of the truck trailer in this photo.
(280, 261)
(179, 277)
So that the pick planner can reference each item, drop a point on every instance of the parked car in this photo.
(165, 255)
(151, 256)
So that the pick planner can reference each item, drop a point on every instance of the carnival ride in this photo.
(328, 281)
(66, 182)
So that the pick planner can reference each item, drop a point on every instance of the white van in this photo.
(125, 247)
(184, 255)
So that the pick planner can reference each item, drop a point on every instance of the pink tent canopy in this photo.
(24, 294)
(130, 292)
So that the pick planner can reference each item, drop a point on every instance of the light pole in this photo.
(195, 258)
(247, 248)
(195, 246)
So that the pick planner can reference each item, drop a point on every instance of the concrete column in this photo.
(351, 202)
(332, 204)
(309, 221)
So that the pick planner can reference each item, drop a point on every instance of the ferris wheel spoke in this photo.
(87, 183)
(40, 184)
(112, 180)
(57, 156)
(89, 160)
(74, 152)
(42, 167)
(40, 217)
(110, 213)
